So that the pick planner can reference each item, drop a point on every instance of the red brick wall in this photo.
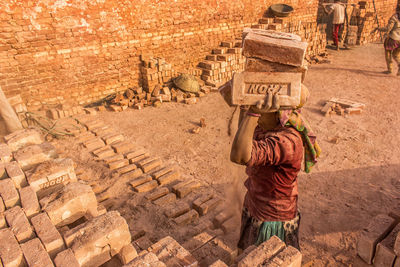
(78, 51)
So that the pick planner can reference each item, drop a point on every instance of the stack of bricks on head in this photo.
(275, 63)
(50, 218)
(379, 242)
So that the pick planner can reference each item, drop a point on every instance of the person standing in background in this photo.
(338, 10)
(392, 42)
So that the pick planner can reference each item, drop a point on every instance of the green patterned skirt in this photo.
(255, 232)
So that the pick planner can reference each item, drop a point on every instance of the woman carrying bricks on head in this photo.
(271, 143)
(392, 42)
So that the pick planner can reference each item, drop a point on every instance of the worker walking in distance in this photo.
(392, 42)
(272, 143)
(338, 10)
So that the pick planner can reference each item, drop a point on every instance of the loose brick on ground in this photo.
(143, 161)
(200, 199)
(187, 218)
(377, 229)
(69, 235)
(126, 169)
(158, 173)
(103, 196)
(156, 194)
(9, 193)
(32, 155)
(198, 241)
(149, 166)
(113, 138)
(94, 124)
(221, 218)
(186, 189)
(127, 254)
(113, 158)
(94, 144)
(177, 209)
(48, 234)
(385, 254)
(146, 259)
(142, 243)
(289, 257)
(172, 253)
(123, 147)
(118, 164)
(141, 180)
(51, 173)
(86, 136)
(132, 174)
(16, 174)
(23, 138)
(229, 225)
(136, 153)
(213, 250)
(168, 177)
(263, 253)
(245, 253)
(101, 238)
(203, 225)
(66, 258)
(10, 251)
(29, 201)
(105, 153)
(5, 153)
(209, 205)
(169, 198)
(103, 131)
(137, 159)
(136, 234)
(101, 149)
(19, 224)
(146, 187)
(70, 203)
(35, 254)
(180, 184)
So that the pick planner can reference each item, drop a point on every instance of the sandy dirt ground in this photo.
(356, 178)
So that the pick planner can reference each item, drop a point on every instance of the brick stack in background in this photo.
(79, 53)
(155, 71)
(222, 62)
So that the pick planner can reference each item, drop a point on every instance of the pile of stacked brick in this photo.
(223, 61)
(379, 242)
(48, 217)
(365, 18)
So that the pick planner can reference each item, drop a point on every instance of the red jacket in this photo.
(273, 168)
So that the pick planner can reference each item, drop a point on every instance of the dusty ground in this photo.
(356, 178)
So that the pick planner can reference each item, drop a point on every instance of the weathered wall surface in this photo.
(77, 51)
